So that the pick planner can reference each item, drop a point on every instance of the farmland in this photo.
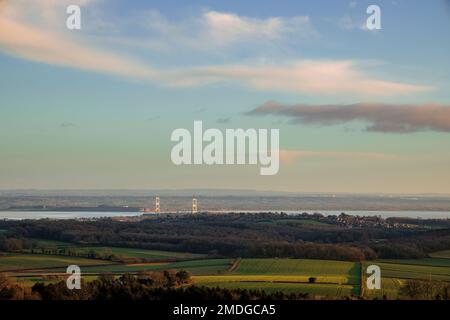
(331, 278)
(433, 262)
(196, 267)
(12, 262)
(129, 253)
(44, 243)
(395, 273)
(441, 254)
(117, 253)
(328, 290)
(324, 278)
(418, 272)
(335, 271)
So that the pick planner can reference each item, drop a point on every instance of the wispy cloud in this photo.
(38, 42)
(329, 77)
(380, 117)
(228, 27)
(212, 32)
(292, 156)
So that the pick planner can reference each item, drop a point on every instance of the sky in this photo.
(360, 111)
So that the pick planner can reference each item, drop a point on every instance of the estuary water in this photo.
(21, 215)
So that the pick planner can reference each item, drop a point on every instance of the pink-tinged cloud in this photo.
(33, 31)
(292, 156)
(379, 117)
(328, 77)
(44, 46)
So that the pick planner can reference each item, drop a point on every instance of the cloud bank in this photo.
(380, 117)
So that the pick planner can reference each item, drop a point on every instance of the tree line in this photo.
(235, 235)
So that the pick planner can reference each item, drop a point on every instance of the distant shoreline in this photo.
(74, 209)
(90, 214)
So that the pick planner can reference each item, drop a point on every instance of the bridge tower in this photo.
(194, 206)
(157, 205)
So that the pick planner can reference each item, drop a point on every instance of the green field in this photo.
(196, 267)
(441, 254)
(44, 243)
(118, 253)
(325, 270)
(433, 262)
(330, 290)
(394, 274)
(418, 272)
(130, 253)
(35, 261)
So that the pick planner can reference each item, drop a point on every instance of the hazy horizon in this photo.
(206, 192)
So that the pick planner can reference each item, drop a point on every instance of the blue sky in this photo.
(94, 108)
